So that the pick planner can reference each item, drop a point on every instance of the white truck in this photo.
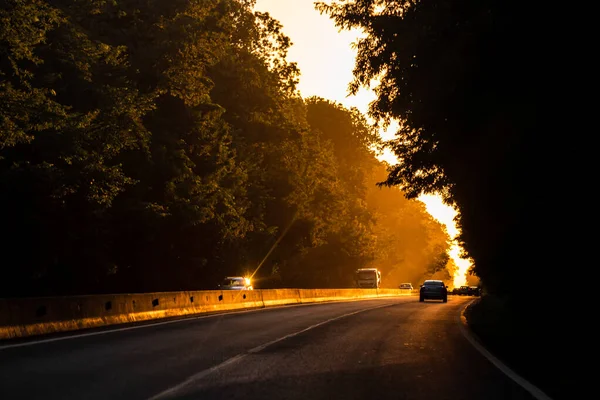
(367, 278)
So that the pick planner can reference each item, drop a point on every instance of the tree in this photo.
(151, 146)
(459, 77)
(67, 113)
(119, 163)
(369, 218)
(411, 245)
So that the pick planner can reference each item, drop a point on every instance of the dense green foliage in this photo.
(160, 145)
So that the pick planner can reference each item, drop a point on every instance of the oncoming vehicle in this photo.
(407, 286)
(236, 283)
(368, 278)
(433, 289)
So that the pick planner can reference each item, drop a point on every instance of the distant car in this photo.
(463, 290)
(474, 291)
(236, 283)
(433, 289)
(408, 286)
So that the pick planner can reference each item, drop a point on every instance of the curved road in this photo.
(395, 348)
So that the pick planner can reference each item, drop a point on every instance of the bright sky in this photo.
(325, 58)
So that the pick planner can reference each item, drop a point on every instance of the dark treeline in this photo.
(161, 145)
(461, 79)
(483, 90)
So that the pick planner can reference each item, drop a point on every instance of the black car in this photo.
(433, 289)
(462, 291)
(474, 291)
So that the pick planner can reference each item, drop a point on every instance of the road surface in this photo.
(395, 348)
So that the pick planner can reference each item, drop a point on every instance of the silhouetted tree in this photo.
(460, 77)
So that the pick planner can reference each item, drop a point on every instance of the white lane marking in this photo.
(202, 374)
(532, 389)
(149, 323)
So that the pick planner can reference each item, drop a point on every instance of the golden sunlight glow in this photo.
(445, 214)
(325, 57)
(323, 53)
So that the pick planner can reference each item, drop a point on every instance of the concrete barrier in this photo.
(280, 297)
(27, 317)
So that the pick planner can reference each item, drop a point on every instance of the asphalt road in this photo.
(376, 349)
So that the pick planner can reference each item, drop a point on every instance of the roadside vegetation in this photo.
(483, 127)
(162, 145)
